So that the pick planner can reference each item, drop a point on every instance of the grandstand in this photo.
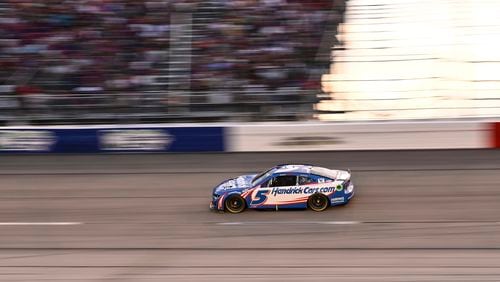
(159, 61)
(407, 59)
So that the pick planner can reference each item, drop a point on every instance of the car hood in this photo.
(235, 184)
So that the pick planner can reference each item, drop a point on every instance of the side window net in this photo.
(304, 180)
(283, 180)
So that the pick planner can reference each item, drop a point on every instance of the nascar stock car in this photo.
(285, 186)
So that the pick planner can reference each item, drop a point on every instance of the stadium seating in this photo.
(153, 61)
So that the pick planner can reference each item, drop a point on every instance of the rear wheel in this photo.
(318, 202)
(235, 204)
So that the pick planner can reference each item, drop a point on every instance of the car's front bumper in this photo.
(217, 203)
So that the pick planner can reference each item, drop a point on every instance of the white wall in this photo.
(357, 136)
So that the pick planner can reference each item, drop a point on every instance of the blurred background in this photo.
(118, 117)
(114, 61)
(117, 61)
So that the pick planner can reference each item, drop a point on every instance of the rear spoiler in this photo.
(344, 176)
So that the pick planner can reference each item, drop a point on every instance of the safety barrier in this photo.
(258, 137)
(106, 139)
(495, 135)
(359, 136)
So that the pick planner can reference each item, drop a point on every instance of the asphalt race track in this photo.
(417, 216)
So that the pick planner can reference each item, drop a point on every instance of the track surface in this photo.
(417, 216)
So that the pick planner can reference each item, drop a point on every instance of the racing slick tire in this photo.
(318, 202)
(234, 204)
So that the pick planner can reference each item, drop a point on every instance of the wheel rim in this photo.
(235, 204)
(318, 202)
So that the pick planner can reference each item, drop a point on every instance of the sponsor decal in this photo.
(229, 184)
(135, 139)
(337, 200)
(308, 141)
(312, 190)
(260, 196)
(287, 191)
(301, 190)
(240, 181)
(26, 140)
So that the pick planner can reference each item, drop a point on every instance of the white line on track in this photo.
(340, 222)
(39, 223)
(289, 222)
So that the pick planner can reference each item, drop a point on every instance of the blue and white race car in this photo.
(285, 186)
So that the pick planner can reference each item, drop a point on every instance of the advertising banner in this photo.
(108, 140)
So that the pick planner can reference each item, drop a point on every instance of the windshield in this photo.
(262, 176)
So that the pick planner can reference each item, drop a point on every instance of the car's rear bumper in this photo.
(349, 196)
(338, 200)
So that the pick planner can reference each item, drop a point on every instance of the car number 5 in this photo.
(260, 197)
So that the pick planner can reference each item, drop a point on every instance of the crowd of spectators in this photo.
(54, 52)
(56, 48)
(266, 46)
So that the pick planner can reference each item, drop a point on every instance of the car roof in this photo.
(306, 169)
(294, 168)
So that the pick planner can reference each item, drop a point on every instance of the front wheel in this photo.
(318, 202)
(235, 204)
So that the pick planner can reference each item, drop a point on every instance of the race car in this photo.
(285, 186)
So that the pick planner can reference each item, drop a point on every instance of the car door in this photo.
(279, 190)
